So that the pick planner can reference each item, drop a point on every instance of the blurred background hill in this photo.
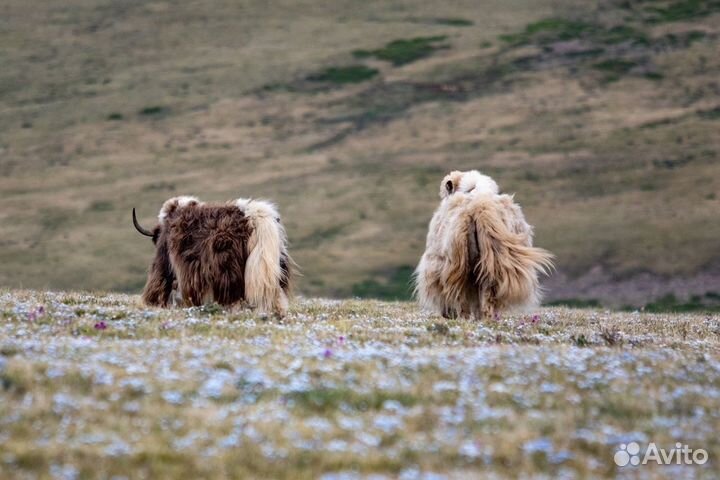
(603, 117)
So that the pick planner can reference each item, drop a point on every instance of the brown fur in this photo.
(208, 249)
(493, 268)
(161, 277)
(203, 249)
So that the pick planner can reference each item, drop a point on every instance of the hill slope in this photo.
(604, 120)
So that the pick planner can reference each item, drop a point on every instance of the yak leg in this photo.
(487, 304)
(469, 306)
(193, 292)
(158, 288)
(280, 304)
(175, 295)
(476, 305)
(240, 306)
(449, 312)
(188, 298)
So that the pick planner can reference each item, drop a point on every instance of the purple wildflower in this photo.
(535, 318)
(35, 313)
(100, 325)
(327, 353)
(341, 339)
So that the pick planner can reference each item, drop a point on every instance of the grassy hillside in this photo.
(603, 117)
(96, 387)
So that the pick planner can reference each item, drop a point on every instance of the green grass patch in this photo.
(565, 29)
(9, 349)
(454, 22)
(343, 75)
(154, 111)
(115, 116)
(549, 30)
(648, 187)
(711, 114)
(558, 29)
(682, 40)
(614, 68)
(401, 52)
(16, 378)
(159, 186)
(321, 235)
(672, 163)
(54, 218)
(615, 65)
(575, 303)
(327, 399)
(680, 11)
(660, 123)
(396, 286)
(694, 36)
(531, 176)
(623, 33)
(101, 206)
(696, 303)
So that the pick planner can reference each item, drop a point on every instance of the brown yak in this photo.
(232, 253)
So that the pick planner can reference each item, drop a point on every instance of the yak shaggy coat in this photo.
(479, 257)
(231, 253)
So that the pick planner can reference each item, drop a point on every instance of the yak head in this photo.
(470, 182)
(161, 281)
(166, 212)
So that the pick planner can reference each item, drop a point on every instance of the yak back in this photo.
(208, 244)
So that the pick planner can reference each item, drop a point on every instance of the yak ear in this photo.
(449, 184)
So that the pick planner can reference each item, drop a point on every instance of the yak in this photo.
(233, 253)
(479, 258)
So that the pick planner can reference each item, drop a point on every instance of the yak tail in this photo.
(506, 262)
(492, 260)
(267, 266)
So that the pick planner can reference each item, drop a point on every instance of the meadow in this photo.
(93, 385)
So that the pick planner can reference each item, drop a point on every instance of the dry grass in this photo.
(620, 173)
(94, 386)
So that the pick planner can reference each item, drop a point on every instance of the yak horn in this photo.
(140, 229)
